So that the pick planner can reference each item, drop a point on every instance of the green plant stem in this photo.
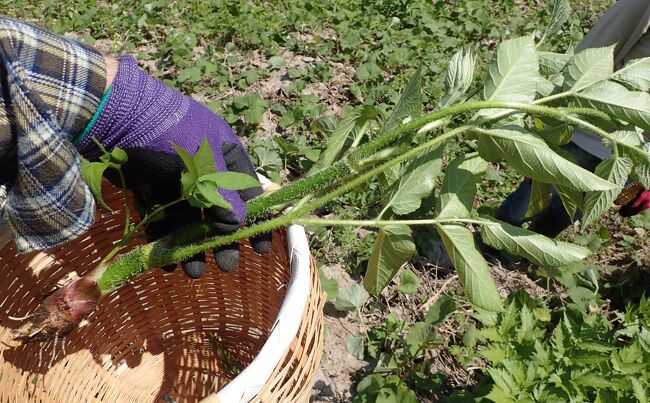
(127, 211)
(341, 169)
(360, 135)
(127, 237)
(383, 223)
(156, 254)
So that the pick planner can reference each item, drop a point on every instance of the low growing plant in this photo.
(570, 354)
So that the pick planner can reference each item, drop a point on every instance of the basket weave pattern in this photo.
(154, 339)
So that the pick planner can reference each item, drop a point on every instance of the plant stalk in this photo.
(383, 223)
(156, 254)
(268, 202)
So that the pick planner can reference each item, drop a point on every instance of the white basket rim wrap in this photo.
(250, 381)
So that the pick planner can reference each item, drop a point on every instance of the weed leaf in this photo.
(209, 192)
(613, 169)
(190, 176)
(393, 247)
(408, 282)
(417, 337)
(351, 298)
(513, 73)
(473, 271)
(204, 159)
(416, 183)
(355, 346)
(440, 309)
(92, 172)
(537, 248)
(231, 180)
(329, 285)
(532, 157)
(459, 186)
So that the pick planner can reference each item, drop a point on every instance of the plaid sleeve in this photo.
(50, 88)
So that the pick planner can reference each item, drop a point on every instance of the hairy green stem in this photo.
(156, 254)
(383, 223)
(304, 186)
(128, 237)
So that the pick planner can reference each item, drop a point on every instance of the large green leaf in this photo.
(393, 247)
(628, 142)
(338, 137)
(536, 248)
(409, 104)
(460, 73)
(459, 186)
(416, 183)
(572, 199)
(617, 101)
(614, 169)
(642, 165)
(636, 74)
(588, 67)
(532, 157)
(552, 63)
(472, 268)
(540, 197)
(513, 73)
(559, 16)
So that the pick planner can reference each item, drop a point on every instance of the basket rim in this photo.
(245, 386)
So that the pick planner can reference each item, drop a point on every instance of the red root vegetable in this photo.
(60, 312)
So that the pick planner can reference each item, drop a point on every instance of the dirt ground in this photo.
(340, 371)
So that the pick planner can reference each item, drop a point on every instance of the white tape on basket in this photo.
(251, 380)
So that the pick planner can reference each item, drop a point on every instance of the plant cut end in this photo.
(60, 312)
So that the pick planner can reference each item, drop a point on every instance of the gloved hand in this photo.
(145, 117)
(637, 205)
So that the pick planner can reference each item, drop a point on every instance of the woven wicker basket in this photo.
(165, 337)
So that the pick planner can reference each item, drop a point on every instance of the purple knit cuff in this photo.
(142, 112)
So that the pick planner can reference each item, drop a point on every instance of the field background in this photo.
(280, 72)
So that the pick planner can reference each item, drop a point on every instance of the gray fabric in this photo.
(625, 24)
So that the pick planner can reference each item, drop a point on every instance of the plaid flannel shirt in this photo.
(50, 86)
